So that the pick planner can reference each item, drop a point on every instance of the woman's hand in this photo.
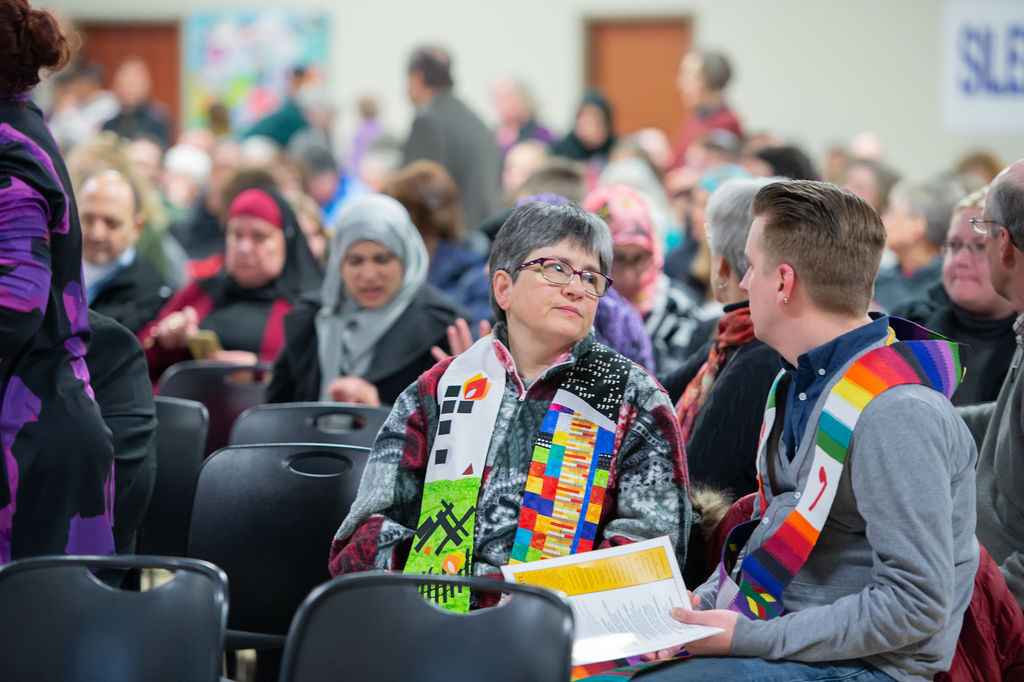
(173, 331)
(354, 390)
(235, 357)
(459, 338)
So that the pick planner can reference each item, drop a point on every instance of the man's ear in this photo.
(786, 282)
(1008, 254)
(724, 270)
(139, 224)
(501, 284)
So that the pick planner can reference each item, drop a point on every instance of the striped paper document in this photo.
(621, 598)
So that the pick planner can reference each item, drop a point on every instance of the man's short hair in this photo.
(434, 65)
(1005, 201)
(831, 237)
(715, 69)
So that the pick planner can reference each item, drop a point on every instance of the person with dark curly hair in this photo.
(57, 476)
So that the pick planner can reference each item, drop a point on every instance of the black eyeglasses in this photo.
(955, 246)
(561, 273)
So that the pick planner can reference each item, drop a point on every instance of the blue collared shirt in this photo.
(813, 372)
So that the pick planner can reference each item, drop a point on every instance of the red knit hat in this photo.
(256, 203)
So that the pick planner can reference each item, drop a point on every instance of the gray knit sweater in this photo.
(892, 573)
(1001, 472)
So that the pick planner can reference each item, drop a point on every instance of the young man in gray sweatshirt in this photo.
(1001, 424)
(861, 559)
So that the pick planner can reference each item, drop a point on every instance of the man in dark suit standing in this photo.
(445, 130)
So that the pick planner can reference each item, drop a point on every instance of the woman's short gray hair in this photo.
(729, 214)
(534, 225)
(934, 200)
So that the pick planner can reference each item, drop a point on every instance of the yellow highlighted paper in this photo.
(601, 575)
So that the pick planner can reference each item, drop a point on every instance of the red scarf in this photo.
(734, 330)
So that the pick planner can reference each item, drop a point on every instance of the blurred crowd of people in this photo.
(156, 207)
(358, 268)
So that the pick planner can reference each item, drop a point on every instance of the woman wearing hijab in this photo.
(431, 197)
(671, 314)
(592, 136)
(370, 333)
(56, 473)
(267, 266)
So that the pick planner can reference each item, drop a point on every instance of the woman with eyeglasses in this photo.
(965, 308)
(536, 442)
(674, 318)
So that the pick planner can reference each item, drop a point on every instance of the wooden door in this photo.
(635, 62)
(109, 43)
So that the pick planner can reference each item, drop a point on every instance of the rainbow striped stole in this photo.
(572, 455)
(765, 572)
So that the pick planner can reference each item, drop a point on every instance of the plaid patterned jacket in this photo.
(647, 491)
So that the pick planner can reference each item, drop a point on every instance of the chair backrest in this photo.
(266, 514)
(62, 624)
(353, 627)
(226, 390)
(337, 423)
(180, 449)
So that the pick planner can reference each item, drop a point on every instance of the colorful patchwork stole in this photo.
(765, 572)
(572, 454)
(568, 471)
(924, 359)
(468, 397)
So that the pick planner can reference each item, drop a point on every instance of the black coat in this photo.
(722, 450)
(133, 296)
(120, 380)
(450, 133)
(401, 356)
(990, 344)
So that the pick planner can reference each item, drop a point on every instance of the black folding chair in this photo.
(266, 514)
(226, 390)
(180, 449)
(337, 423)
(377, 626)
(62, 624)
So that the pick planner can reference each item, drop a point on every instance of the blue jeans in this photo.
(710, 668)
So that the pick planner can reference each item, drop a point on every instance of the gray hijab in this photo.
(346, 332)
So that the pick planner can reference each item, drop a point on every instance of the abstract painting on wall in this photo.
(243, 59)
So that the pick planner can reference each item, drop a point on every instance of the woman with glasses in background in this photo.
(965, 307)
(536, 442)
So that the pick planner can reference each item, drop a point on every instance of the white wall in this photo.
(813, 71)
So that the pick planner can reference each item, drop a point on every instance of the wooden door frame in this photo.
(107, 21)
(687, 20)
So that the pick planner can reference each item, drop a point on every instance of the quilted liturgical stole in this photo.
(765, 572)
(568, 473)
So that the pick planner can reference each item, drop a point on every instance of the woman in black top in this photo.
(369, 333)
(965, 308)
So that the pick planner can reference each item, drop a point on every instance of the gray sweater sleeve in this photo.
(977, 418)
(901, 466)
